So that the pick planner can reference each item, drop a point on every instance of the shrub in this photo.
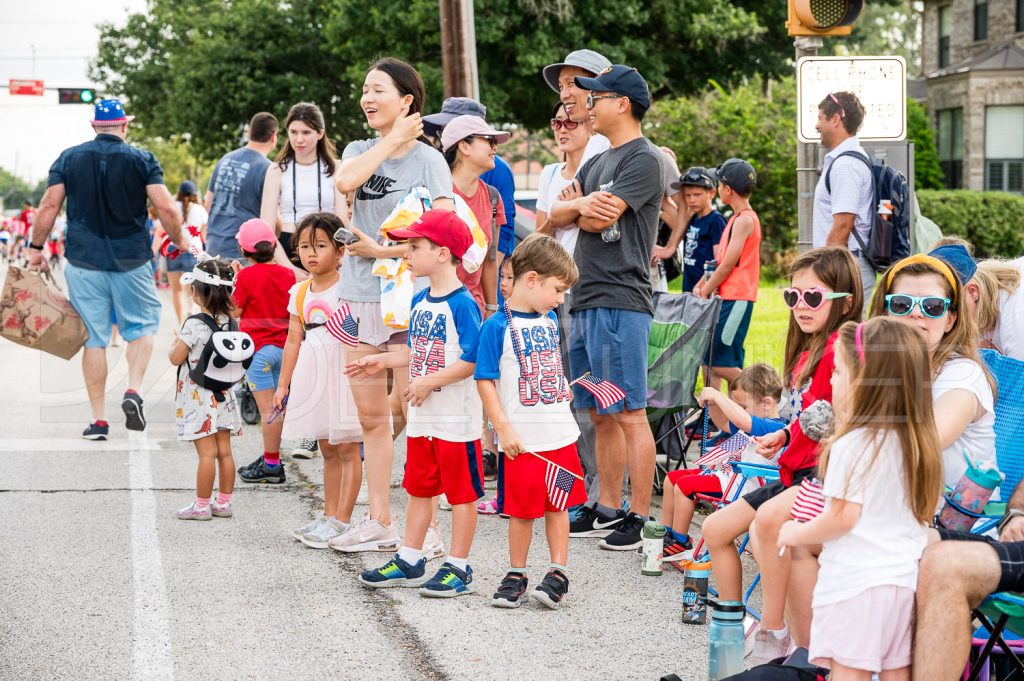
(992, 221)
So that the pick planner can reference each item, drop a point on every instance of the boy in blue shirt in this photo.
(443, 454)
(706, 226)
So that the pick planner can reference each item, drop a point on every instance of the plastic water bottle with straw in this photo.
(971, 493)
(613, 233)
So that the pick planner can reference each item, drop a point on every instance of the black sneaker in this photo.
(96, 431)
(674, 547)
(253, 464)
(627, 536)
(552, 590)
(490, 465)
(134, 418)
(306, 449)
(512, 592)
(259, 471)
(590, 523)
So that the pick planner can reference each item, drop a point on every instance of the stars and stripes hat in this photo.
(110, 112)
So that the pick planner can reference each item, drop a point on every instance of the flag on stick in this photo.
(731, 449)
(606, 392)
(809, 503)
(343, 326)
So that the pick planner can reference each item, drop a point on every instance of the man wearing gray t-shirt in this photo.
(615, 200)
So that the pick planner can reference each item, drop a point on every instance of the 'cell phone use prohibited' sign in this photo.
(879, 82)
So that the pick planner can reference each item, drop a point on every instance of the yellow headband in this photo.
(923, 259)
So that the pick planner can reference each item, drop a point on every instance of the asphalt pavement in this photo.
(101, 580)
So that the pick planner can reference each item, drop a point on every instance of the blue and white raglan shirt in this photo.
(441, 332)
(535, 395)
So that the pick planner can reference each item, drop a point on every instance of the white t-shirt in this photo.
(979, 438)
(318, 306)
(595, 145)
(551, 185)
(853, 191)
(305, 189)
(196, 217)
(441, 332)
(535, 396)
(1008, 334)
(885, 545)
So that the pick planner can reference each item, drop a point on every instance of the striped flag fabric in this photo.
(559, 484)
(731, 449)
(343, 326)
(606, 392)
(810, 501)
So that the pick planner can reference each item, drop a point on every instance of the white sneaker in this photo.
(443, 503)
(323, 533)
(367, 535)
(433, 545)
(767, 647)
(681, 557)
(308, 527)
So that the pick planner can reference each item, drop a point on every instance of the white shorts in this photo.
(872, 631)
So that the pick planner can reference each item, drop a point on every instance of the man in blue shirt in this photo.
(109, 273)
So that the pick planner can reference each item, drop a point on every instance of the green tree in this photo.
(14, 191)
(927, 171)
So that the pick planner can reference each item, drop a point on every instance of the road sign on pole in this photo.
(879, 82)
(33, 88)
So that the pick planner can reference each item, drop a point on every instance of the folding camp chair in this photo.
(680, 337)
(1006, 609)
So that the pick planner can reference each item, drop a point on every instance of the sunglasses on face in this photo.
(813, 297)
(493, 143)
(591, 98)
(559, 123)
(900, 305)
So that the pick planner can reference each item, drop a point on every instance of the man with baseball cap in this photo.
(615, 200)
(109, 272)
(561, 78)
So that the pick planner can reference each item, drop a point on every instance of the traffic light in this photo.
(76, 95)
(823, 17)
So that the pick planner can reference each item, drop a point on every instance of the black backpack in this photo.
(889, 238)
(226, 356)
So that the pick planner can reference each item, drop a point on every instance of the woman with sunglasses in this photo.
(571, 138)
(926, 293)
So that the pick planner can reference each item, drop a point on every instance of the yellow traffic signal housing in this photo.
(823, 17)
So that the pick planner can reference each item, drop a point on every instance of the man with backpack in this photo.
(844, 198)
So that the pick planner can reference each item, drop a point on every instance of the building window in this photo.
(1004, 149)
(945, 29)
(981, 19)
(1020, 15)
(950, 140)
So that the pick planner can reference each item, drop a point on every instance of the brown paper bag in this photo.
(34, 312)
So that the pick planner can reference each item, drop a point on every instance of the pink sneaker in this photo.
(489, 507)
(221, 510)
(193, 512)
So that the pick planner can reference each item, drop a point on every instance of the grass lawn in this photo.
(766, 339)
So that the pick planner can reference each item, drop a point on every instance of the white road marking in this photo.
(151, 640)
(69, 444)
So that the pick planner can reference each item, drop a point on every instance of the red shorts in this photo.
(690, 482)
(522, 491)
(434, 466)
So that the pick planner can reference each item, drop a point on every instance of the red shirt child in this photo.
(261, 289)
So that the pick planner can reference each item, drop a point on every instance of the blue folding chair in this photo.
(1006, 609)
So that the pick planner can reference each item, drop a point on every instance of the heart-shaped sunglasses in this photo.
(813, 297)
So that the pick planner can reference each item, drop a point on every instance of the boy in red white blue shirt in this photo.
(526, 396)
(443, 454)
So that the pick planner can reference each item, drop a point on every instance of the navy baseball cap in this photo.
(451, 108)
(697, 176)
(622, 80)
(736, 174)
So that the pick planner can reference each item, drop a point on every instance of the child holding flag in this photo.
(526, 395)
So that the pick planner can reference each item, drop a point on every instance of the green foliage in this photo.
(927, 171)
(179, 161)
(14, 191)
(707, 129)
(992, 221)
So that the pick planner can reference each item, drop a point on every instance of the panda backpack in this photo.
(226, 356)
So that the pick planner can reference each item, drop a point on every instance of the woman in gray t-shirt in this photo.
(380, 171)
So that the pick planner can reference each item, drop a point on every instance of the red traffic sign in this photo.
(26, 87)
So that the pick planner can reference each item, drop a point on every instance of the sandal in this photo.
(489, 507)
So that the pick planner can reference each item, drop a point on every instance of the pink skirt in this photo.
(873, 631)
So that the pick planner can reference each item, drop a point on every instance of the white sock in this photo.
(461, 563)
(410, 555)
(780, 634)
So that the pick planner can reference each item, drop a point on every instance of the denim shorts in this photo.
(731, 333)
(265, 369)
(185, 262)
(610, 344)
(99, 297)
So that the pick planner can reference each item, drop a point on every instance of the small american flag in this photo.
(559, 484)
(343, 326)
(606, 392)
(809, 503)
(721, 454)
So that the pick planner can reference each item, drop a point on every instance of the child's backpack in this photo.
(889, 238)
(226, 356)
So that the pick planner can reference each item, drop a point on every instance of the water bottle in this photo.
(709, 268)
(695, 592)
(972, 492)
(613, 233)
(653, 548)
(725, 640)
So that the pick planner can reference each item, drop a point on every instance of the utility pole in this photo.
(458, 49)
(806, 160)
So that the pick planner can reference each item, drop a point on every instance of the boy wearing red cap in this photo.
(261, 300)
(443, 452)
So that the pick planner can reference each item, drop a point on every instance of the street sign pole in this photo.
(806, 160)
(458, 49)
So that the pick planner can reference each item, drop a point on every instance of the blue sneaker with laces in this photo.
(396, 572)
(449, 582)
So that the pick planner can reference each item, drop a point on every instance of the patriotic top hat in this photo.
(110, 112)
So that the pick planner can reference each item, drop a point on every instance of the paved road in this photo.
(102, 581)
